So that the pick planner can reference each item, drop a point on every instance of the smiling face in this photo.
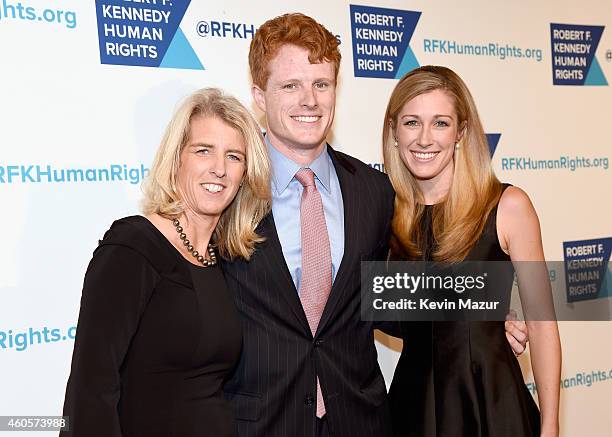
(427, 131)
(211, 168)
(299, 101)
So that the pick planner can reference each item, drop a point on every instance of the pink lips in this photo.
(424, 156)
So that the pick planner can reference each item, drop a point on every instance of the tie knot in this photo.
(305, 176)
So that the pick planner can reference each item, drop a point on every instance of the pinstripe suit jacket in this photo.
(274, 387)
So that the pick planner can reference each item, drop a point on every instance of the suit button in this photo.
(309, 401)
(318, 342)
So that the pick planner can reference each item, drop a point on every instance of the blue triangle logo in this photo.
(409, 63)
(180, 54)
(493, 140)
(595, 76)
(606, 286)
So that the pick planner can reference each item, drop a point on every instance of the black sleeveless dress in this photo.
(461, 379)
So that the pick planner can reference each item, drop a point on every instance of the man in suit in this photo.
(309, 365)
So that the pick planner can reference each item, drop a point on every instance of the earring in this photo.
(457, 145)
(395, 144)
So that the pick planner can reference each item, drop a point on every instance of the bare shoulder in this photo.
(514, 204)
(517, 223)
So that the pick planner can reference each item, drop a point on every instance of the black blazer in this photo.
(274, 387)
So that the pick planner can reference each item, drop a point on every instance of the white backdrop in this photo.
(68, 111)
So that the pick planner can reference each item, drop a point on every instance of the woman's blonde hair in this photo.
(235, 234)
(458, 222)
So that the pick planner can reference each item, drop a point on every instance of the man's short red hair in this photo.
(296, 29)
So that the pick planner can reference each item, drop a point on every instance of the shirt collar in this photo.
(284, 169)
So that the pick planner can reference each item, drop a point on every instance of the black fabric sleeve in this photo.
(118, 284)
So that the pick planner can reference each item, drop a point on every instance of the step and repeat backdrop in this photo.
(87, 88)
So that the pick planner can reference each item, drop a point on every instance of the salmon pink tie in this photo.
(316, 259)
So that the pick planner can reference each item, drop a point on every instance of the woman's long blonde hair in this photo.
(235, 234)
(458, 222)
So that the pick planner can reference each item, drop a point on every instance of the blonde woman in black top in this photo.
(158, 332)
(461, 378)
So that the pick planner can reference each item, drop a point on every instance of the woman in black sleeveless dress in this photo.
(158, 332)
(460, 378)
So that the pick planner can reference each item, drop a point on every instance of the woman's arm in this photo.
(519, 232)
(117, 286)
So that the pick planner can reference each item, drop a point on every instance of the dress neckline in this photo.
(169, 244)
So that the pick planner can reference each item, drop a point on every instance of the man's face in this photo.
(299, 100)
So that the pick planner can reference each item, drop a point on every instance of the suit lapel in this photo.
(276, 259)
(350, 200)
